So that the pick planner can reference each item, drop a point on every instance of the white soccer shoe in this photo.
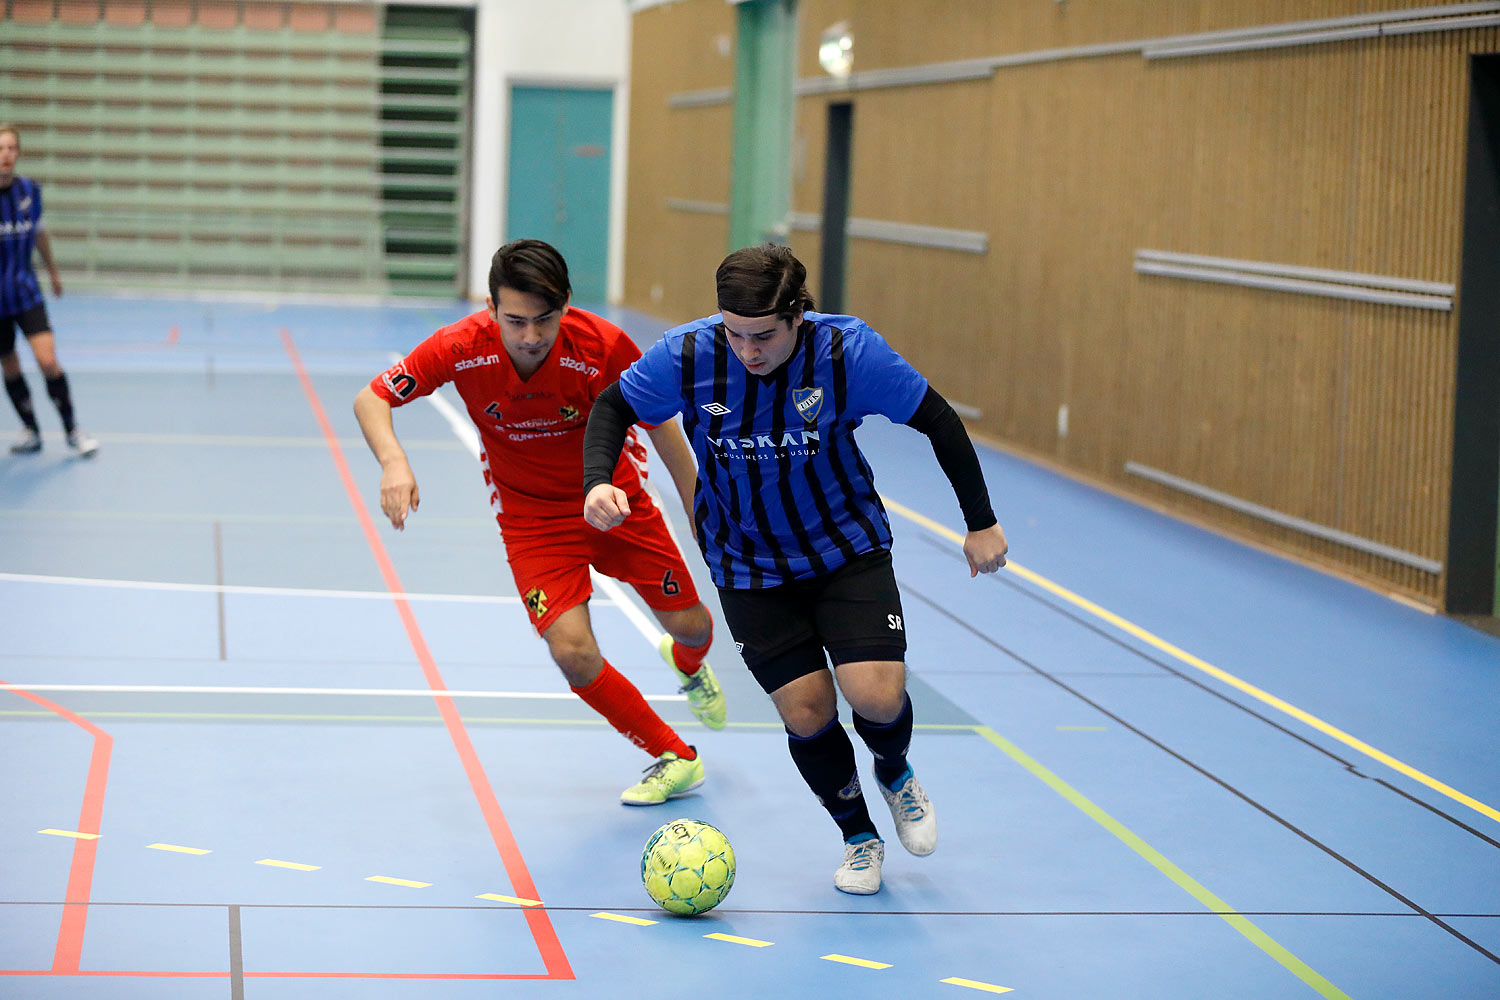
(859, 875)
(916, 820)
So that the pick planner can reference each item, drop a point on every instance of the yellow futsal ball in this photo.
(687, 867)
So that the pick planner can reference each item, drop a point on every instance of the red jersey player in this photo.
(529, 368)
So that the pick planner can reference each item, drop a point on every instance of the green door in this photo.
(559, 179)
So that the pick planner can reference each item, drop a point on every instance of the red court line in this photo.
(505, 842)
(81, 872)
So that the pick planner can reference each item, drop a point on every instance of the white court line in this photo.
(214, 588)
(354, 692)
(466, 433)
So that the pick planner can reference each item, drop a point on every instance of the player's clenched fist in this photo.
(605, 506)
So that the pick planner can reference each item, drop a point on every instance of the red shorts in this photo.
(550, 559)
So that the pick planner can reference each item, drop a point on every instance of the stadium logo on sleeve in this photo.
(536, 602)
(808, 402)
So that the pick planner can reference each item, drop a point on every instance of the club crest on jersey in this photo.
(569, 412)
(808, 402)
(536, 601)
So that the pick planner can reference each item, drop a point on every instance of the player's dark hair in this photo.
(8, 127)
(533, 267)
(763, 280)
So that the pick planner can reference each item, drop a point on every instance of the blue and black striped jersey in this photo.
(20, 220)
(783, 490)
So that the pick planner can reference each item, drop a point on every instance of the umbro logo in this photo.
(715, 409)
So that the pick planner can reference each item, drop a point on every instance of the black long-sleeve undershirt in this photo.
(613, 415)
(956, 457)
(610, 419)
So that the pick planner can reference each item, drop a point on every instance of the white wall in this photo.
(553, 43)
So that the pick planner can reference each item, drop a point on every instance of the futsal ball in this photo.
(688, 867)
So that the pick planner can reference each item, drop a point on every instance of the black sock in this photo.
(890, 743)
(826, 760)
(57, 388)
(20, 398)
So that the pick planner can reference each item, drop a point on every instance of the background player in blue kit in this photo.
(787, 517)
(21, 302)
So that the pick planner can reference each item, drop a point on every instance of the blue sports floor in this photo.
(254, 743)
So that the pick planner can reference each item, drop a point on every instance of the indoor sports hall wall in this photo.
(1030, 199)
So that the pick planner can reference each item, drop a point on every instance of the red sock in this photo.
(690, 658)
(620, 702)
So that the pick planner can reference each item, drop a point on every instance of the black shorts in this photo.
(32, 322)
(854, 613)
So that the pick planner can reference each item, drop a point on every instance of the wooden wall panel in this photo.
(1345, 155)
(677, 152)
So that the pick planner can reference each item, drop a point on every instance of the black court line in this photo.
(1116, 639)
(1264, 810)
(236, 957)
(728, 910)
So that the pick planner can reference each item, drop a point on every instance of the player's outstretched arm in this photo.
(678, 458)
(604, 504)
(985, 546)
(44, 248)
(398, 486)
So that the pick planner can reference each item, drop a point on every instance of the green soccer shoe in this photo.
(704, 695)
(668, 778)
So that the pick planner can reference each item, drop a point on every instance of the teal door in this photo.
(559, 179)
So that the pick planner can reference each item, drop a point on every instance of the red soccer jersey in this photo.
(531, 429)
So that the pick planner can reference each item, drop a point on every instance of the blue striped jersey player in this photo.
(21, 303)
(789, 523)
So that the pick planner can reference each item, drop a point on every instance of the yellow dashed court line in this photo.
(739, 940)
(288, 864)
(176, 849)
(397, 881)
(974, 984)
(509, 899)
(622, 919)
(71, 833)
(863, 963)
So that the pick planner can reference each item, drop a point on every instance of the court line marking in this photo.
(254, 441)
(464, 430)
(214, 588)
(975, 984)
(509, 899)
(398, 881)
(356, 692)
(293, 865)
(177, 848)
(1259, 694)
(69, 951)
(863, 963)
(1157, 860)
(733, 939)
(620, 918)
(75, 834)
(538, 922)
